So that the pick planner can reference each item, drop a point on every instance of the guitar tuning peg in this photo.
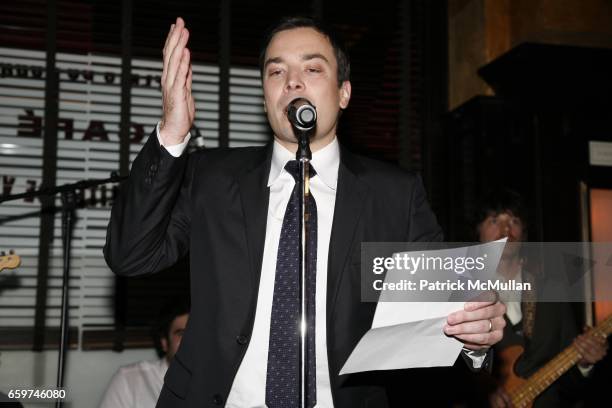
(11, 252)
(2, 253)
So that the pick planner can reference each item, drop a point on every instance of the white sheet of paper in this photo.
(394, 313)
(417, 343)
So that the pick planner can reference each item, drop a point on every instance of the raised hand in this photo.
(178, 103)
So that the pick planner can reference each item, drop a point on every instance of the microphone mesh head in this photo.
(307, 115)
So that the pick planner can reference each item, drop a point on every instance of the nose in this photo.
(504, 229)
(294, 82)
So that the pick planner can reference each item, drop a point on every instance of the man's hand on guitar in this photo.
(592, 347)
(178, 102)
(479, 326)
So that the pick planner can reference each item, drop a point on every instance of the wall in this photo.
(481, 30)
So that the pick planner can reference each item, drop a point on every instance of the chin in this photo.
(285, 138)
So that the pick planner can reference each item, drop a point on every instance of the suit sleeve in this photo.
(423, 225)
(150, 220)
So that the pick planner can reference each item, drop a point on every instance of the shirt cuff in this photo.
(585, 371)
(177, 149)
(477, 356)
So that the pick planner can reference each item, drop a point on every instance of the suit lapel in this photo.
(255, 196)
(349, 204)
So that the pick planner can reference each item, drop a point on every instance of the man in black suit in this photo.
(230, 208)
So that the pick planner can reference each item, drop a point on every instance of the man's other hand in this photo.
(479, 325)
(178, 102)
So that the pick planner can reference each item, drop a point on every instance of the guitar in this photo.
(523, 391)
(9, 261)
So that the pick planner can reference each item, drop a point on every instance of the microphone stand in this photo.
(303, 156)
(68, 196)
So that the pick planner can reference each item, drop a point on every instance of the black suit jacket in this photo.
(214, 204)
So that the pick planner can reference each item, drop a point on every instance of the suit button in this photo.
(217, 399)
(153, 168)
(148, 180)
(242, 340)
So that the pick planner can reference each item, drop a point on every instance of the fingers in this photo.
(176, 58)
(592, 348)
(173, 38)
(593, 340)
(190, 100)
(183, 70)
(171, 41)
(480, 341)
(168, 38)
(189, 79)
(478, 328)
(483, 299)
(471, 306)
(176, 81)
(483, 312)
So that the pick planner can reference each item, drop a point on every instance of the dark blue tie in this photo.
(283, 375)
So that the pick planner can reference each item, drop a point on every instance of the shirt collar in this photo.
(326, 162)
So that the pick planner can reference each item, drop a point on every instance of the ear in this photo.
(164, 344)
(345, 94)
(478, 230)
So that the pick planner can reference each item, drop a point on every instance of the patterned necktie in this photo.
(283, 375)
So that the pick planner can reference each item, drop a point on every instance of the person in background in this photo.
(543, 329)
(138, 385)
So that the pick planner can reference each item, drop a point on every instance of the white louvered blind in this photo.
(21, 97)
(88, 147)
(248, 124)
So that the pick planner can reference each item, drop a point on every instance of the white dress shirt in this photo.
(249, 387)
(512, 298)
(136, 386)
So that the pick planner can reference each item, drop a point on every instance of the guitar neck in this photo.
(544, 377)
(549, 373)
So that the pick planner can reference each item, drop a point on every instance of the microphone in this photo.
(302, 114)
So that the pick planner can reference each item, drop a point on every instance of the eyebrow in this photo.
(308, 57)
(305, 57)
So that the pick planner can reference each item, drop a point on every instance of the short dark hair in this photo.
(170, 310)
(289, 23)
(501, 200)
